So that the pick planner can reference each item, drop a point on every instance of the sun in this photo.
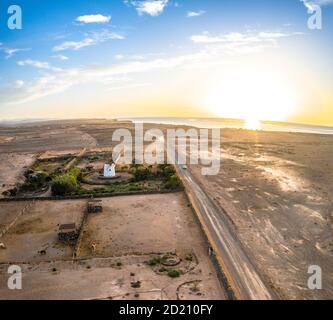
(252, 124)
(253, 95)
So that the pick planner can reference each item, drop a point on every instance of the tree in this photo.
(173, 182)
(142, 174)
(64, 184)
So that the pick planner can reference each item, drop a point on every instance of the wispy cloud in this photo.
(61, 57)
(237, 42)
(131, 57)
(129, 86)
(75, 45)
(10, 52)
(62, 79)
(192, 14)
(150, 7)
(215, 47)
(19, 84)
(238, 37)
(309, 4)
(93, 18)
(91, 39)
(37, 64)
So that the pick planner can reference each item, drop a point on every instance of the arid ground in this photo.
(275, 187)
(277, 190)
(121, 251)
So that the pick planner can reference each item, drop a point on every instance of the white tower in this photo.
(109, 170)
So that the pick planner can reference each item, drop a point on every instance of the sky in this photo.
(249, 59)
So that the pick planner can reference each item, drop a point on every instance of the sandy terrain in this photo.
(142, 224)
(42, 137)
(130, 231)
(103, 279)
(11, 169)
(21, 145)
(36, 230)
(276, 188)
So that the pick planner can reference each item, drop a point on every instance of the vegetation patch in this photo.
(136, 284)
(71, 181)
(174, 273)
(156, 261)
(66, 183)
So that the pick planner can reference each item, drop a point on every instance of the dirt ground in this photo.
(277, 188)
(130, 231)
(103, 279)
(11, 169)
(141, 225)
(36, 230)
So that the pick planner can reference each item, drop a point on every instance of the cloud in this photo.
(93, 18)
(37, 64)
(74, 45)
(309, 4)
(61, 57)
(215, 48)
(241, 38)
(150, 7)
(19, 84)
(236, 37)
(60, 80)
(91, 39)
(119, 56)
(192, 14)
(10, 52)
(240, 43)
(130, 57)
(129, 86)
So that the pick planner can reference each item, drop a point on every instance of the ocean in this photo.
(234, 123)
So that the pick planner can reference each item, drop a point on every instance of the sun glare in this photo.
(252, 95)
(252, 124)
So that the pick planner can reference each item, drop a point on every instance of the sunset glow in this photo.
(234, 59)
(252, 95)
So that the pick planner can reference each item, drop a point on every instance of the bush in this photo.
(141, 174)
(174, 273)
(156, 261)
(136, 284)
(173, 182)
(166, 171)
(189, 258)
(34, 180)
(64, 184)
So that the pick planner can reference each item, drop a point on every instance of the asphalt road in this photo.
(236, 264)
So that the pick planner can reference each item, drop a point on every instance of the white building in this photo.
(109, 170)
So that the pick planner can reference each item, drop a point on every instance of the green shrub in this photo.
(156, 261)
(165, 171)
(173, 182)
(64, 184)
(141, 174)
(34, 180)
(174, 273)
(189, 258)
